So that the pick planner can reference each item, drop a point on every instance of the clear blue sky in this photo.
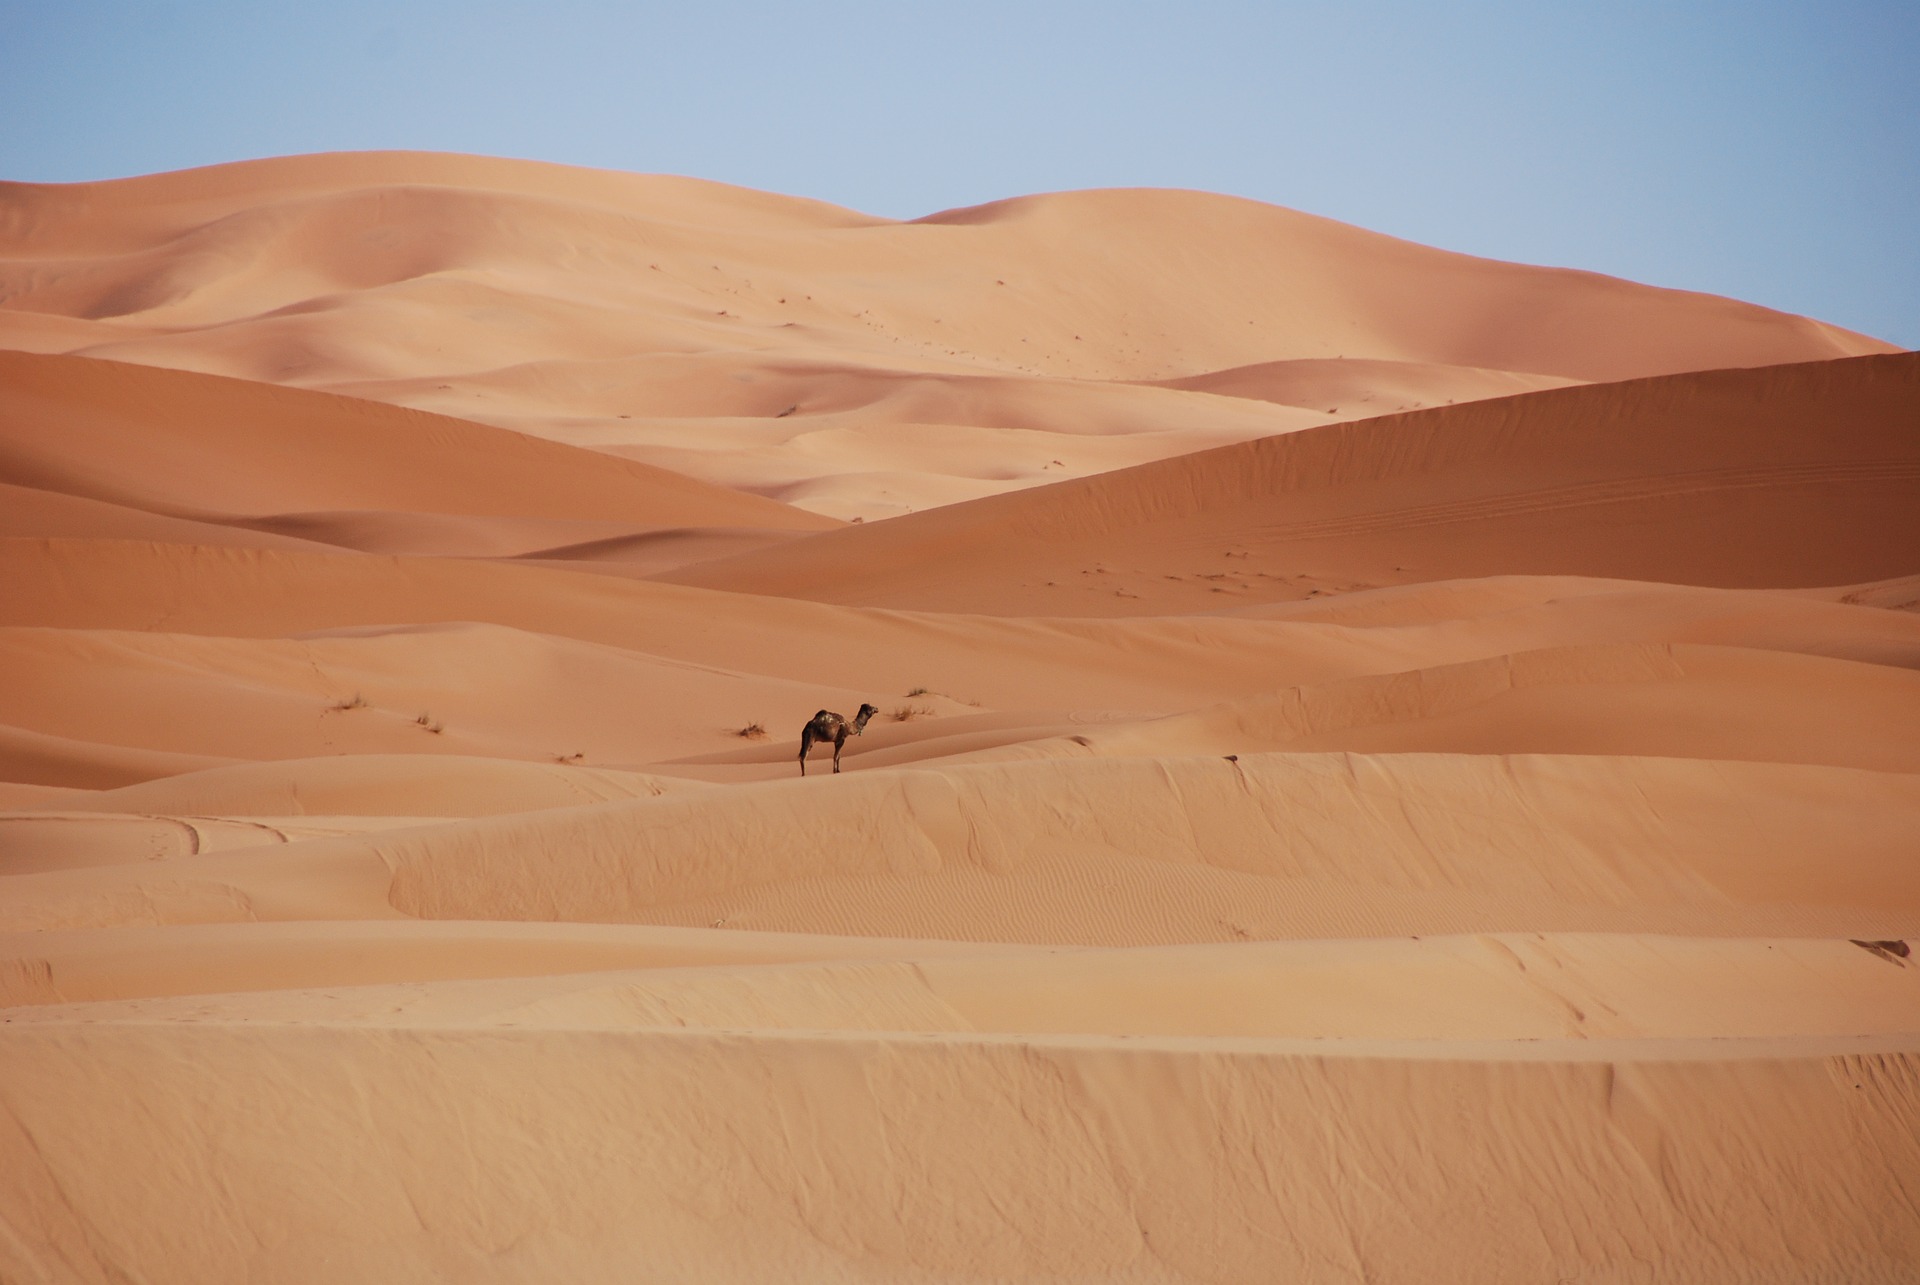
(1765, 150)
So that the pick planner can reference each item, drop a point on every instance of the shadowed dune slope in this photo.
(1788, 476)
(305, 464)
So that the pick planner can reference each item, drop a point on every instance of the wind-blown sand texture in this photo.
(1392, 766)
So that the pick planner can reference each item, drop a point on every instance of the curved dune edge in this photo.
(39, 758)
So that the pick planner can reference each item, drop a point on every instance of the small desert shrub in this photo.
(358, 702)
(920, 691)
(907, 713)
(427, 721)
(752, 732)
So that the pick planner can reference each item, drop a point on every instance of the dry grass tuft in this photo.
(907, 713)
(752, 732)
(427, 721)
(341, 706)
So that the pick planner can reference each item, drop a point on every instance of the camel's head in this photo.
(860, 719)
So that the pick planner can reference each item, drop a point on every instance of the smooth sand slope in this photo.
(1313, 831)
(330, 470)
(1790, 475)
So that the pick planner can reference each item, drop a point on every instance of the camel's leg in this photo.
(806, 743)
(838, 741)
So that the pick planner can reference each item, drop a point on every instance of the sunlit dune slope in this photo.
(850, 364)
(1108, 852)
(1131, 852)
(1788, 476)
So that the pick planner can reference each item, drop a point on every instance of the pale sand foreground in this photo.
(1475, 842)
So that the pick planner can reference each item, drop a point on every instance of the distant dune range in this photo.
(851, 365)
(1391, 766)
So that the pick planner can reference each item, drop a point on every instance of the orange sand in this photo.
(1392, 766)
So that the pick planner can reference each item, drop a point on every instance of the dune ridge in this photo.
(1389, 766)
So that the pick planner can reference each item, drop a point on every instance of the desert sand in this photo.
(1391, 766)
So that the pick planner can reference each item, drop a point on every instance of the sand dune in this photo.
(1389, 767)
(643, 313)
(631, 674)
(329, 470)
(1118, 664)
(1135, 852)
(380, 970)
(1111, 852)
(1360, 387)
(1602, 987)
(377, 785)
(1673, 701)
(1181, 1160)
(455, 688)
(40, 758)
(31, 511)
(1705, 479)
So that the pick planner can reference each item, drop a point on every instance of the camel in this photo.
(829, 726)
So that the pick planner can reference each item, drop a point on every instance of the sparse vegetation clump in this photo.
(752, 732)
(907, 713)
(920, 691)
(341, 706)
(431, 724)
